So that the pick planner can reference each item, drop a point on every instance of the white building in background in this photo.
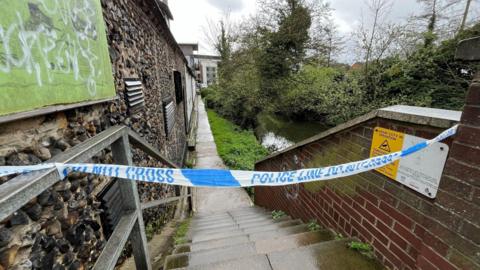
(207, 69)
(205, 66)
(190, 88)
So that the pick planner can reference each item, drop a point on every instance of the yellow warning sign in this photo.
(386, 141)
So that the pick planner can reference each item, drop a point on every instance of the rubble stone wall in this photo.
(61, 228)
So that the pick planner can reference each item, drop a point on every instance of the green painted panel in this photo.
(52, 52)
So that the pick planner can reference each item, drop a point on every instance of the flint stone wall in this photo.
(62, 228)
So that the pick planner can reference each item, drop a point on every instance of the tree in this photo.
(465, 14)
(220, 35)
(326, 42)
(285, 44)
(431, 15)
(376, 40)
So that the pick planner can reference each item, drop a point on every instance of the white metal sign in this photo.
(422, 171)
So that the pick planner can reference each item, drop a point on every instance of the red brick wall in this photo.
(406, 229)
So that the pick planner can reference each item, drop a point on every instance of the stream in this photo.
(277, 133)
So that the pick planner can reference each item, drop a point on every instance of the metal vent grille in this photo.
(169, 114)
(134, 94)
(112, 205)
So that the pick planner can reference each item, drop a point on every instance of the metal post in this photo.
(122, 155)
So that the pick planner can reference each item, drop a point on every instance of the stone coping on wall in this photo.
(410, 114)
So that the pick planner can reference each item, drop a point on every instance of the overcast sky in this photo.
(190, 16)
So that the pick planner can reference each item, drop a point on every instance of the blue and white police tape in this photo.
(228, 178)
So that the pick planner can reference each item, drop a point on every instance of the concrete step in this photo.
(220, 228)
(244, 225)
(212, 236)
(213, 223)
(292, 241)
(262, 245)
(206, 217)
(210, 244)
(229, 215)
(213, 227)
(209, 256)
(325, 255)
(224, 218)
(260, 233)
(246, 215)
(246, 210)
(272, 226)
(263, 222)
(257, 262)
(252, 219)
(275, 233)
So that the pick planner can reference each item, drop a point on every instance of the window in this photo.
(211, 74)
(177, 79)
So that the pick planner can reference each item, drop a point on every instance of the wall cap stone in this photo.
(438, 118)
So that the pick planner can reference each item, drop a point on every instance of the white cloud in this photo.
(227, 5)
(191, 15)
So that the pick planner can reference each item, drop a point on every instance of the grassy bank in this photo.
(238, 148)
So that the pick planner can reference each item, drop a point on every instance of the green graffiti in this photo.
(52, 52)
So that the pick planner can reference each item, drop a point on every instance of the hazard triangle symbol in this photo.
(384, 146)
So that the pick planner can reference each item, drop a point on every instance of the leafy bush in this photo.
(276, 214)
(181, 233)
(313, 226)
(320, 93)
(364, 248)
(238, 148)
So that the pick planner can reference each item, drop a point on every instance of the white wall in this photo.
(189, 94)
(207, 63)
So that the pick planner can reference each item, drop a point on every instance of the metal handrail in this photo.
(149, 149)
(18, 191)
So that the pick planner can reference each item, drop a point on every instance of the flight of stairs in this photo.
(248, 238)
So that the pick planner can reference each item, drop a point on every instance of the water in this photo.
(277, 133)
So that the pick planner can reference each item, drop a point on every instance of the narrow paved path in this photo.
(211, 200)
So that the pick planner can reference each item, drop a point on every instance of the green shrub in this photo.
(181, 233)
(364, 248)
(276, 214)
(313, 226)
(238, 148)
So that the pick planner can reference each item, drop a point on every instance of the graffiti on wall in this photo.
(52, 52)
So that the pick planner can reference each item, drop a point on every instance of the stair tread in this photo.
(201, 234)
(263, 222)
(213, 224)
(264, 227)
(215, 229)
(292, 241)
(245, 225)
(222, 242)
(257, 262)
(277, 232)
(324, 255)
(249, 218)
(211, 236)
(222, 254)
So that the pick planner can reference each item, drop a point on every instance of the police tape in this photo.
(228, 178)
